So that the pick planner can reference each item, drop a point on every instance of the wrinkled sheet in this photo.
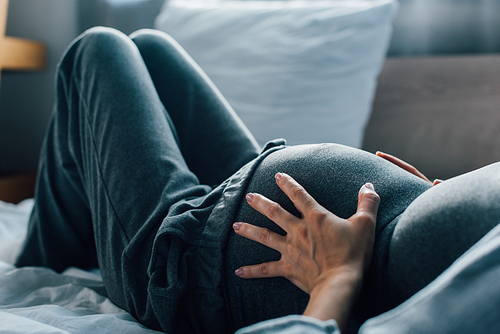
(39, 300)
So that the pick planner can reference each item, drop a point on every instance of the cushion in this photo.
(302, 70)
(439, 114)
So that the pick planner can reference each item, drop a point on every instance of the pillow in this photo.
(302, 70)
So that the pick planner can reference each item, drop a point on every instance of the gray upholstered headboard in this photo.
(441, 114)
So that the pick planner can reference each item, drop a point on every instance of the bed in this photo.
(438, 113)
(39, 300)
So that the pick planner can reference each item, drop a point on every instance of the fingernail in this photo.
(249, 197)
(278, 177)
(370, 186)
(236, 226)
(437, 181)
(238, 272)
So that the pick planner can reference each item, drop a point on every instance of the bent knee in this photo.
(151, 36)
(104, 40)
(153, 42)
(103, 33)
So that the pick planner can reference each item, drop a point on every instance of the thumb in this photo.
(368, 202)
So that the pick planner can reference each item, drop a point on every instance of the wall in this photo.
(437, 27)
(26, 99)
(124, 15)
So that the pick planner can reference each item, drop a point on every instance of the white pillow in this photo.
(302, 70)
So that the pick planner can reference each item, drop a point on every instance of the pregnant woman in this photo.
(148, 174)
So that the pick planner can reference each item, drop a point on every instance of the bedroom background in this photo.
(422, 28)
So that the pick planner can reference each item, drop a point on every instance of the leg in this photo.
(213, 140)
(437, 228)
(110, 170)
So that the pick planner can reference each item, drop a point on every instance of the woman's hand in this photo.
(406, 166)
(322, 254)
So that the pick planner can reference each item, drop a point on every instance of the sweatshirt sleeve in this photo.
(292, 324)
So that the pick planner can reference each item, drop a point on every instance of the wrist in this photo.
(345, 276)
(334, 294)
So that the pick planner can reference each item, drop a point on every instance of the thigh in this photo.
(333, 175)
(463, 299)
(213, 140)
(437, 228)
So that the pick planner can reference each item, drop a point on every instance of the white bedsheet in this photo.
(13, 225)
(39, 300)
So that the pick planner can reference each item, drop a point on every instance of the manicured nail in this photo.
(437, 181)
(238, 272)
(236, 226)
(250, 197)
(278, 177)
(370, 186)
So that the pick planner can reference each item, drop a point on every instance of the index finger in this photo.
(271, 210)
(297, 194)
